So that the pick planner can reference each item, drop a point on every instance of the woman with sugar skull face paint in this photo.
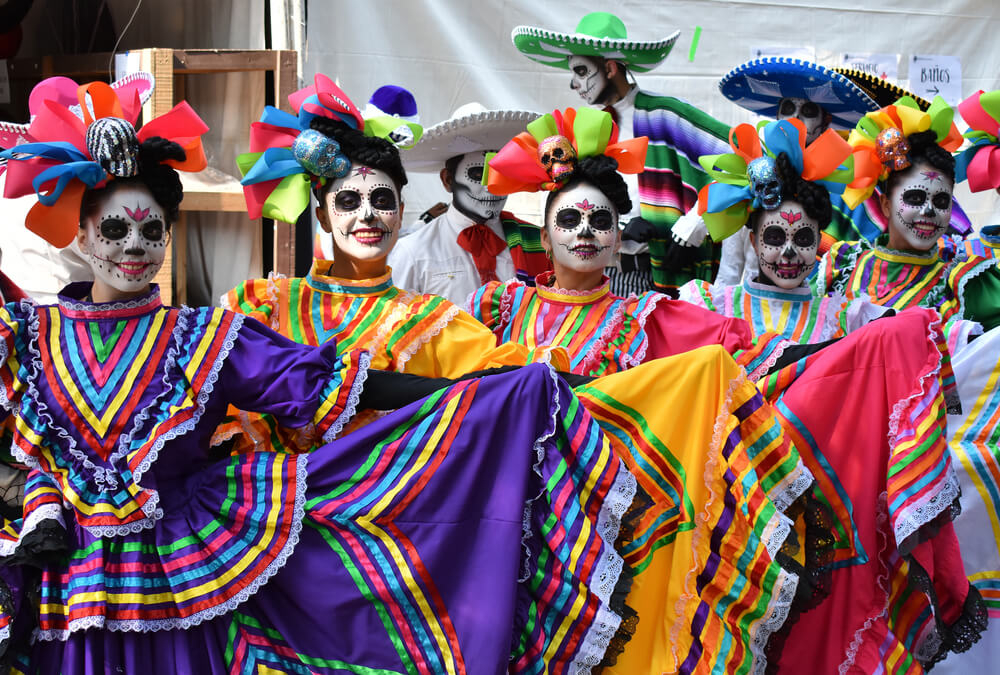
(142, 533)
(876, 374)
(916, 172)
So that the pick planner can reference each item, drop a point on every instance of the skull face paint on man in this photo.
(810, 114)
(589, 78)
(581, 226)
(362, 211)
(125, 239)
(919, 207)
(786, 240)
(469, 195)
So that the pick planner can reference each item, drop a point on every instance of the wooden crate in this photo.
(212, 190)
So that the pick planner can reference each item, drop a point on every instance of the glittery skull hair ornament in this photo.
(79, 143)
(545, 156)
(747, 178)
(288, 156)
(980, 162)
(880, 141)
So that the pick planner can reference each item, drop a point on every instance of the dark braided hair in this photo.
(600, 171)
(814, 197)
(925, 150)
(160, 179)
(377, 153)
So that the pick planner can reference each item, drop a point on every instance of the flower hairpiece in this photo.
(67, 153)
(545, 156)
(746, 179)
(880, 141)
(287, 156)
(980, 162)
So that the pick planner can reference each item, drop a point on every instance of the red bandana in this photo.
(485, 246)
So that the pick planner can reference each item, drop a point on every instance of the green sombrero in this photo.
(598, 34)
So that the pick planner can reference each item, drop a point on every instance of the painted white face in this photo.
(583, 228)
(920, 206)
(126, 239)
(588, 77)
(363, 212)
(786, 244)
(469, 194)
(809, 113)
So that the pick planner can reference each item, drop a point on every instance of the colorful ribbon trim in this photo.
(980, 163)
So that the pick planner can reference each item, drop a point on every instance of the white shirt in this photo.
(625, 110)
(431, 261)
(738, 259)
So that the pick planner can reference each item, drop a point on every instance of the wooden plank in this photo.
(286, 77)
(284, 248)
(223, 60)
(212, 190)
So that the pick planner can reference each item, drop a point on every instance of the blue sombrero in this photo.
(759, 86)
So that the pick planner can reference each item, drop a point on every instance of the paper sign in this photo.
(933, 75)
(127, 63)
(884, 66)
(803, 53)
(4, 82)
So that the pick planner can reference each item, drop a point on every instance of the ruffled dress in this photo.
(714, 488)
(441, 538)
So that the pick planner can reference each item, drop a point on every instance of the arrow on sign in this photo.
(935, 90)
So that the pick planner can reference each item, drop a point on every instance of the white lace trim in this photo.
(881, 583)
(184, 623)
(774, 618)
(425, 337)
(985, 265)
(609, 522)
(762, 370)
(911, 518)
(148, 299)
(612, 326)
(642, 317)
(353, 399)
(43, 512)
(595, 642)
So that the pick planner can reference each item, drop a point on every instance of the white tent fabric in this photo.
(450, 52)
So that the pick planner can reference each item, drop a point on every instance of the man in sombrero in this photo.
(474, 241)
(821, 98)
(600, 58)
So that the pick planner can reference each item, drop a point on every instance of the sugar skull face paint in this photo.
(919, 204)
(786, 242)
(588, 77)
(582, 227)
(363, 213)
(468, 192)
(809, 113)
(125, 239)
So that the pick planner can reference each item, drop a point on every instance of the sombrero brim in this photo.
(759, 86)
(486, 130)
(882, 91)
(551, 48)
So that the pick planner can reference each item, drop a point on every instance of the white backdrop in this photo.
(450, 52)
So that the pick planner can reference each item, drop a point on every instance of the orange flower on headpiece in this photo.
(880, 141)
(545, 156)
(68, 153)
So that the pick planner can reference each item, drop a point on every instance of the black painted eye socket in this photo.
(114, 229)
(773, 236)
(915, 197)
(804, 237)
(787, 107)
(941, 200)
(809, 109)
(568, 219)
(152, 231)
(602, 220)
(383, 199)
(475, 174)
(581, 70)
(347, 200)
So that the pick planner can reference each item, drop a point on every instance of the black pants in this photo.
(636, 275)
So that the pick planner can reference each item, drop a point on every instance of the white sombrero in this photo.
(471, 128)
(63, 89)
(598, 34)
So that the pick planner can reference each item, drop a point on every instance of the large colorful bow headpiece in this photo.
(980, 163)
(880, 141)
(746, 179)
(545, 156)
(66, 153)
(286, 156)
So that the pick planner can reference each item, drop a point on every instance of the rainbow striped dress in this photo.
(795, 313)
(376, 553)
(899, 279)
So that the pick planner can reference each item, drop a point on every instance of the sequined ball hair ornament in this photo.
(287, 157)
(880, 141)
(68, 152)
(980, 162)
(545, 156)
(747, 178)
